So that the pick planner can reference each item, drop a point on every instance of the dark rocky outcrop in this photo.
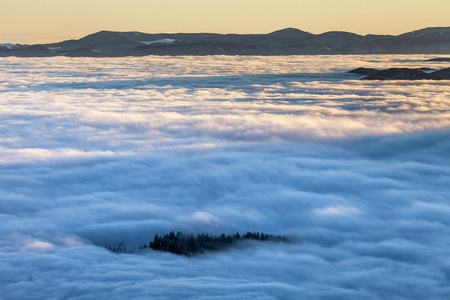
(399, 73)
(443, 73)
(439, 59)
(364, 71)
(426, 69)
(409, 74)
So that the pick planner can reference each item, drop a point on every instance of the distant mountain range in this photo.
(289, 41)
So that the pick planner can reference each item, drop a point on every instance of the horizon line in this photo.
(211, 32)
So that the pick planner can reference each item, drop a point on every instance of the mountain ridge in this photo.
(287, 41)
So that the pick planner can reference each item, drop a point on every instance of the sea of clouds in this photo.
(98, 151)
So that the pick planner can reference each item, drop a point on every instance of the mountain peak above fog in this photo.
(287, 41)
(290, 32)
(428, 31)
(104, 37)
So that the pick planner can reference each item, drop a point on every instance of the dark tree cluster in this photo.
(188, 244)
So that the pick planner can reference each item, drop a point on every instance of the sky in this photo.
(39, 21)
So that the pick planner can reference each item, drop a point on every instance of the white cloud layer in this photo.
(96, 151)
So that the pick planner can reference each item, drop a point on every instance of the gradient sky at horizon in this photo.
(40, 21)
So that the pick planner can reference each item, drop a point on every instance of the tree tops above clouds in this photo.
(188, 244)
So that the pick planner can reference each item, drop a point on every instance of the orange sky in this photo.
(38, 21)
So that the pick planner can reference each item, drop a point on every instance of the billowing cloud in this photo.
(98, 151)
(336, 211)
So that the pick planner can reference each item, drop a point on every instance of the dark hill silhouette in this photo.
(102, 38)
(33, 51)
(291, 33)
(83, 52)
(428, 35)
